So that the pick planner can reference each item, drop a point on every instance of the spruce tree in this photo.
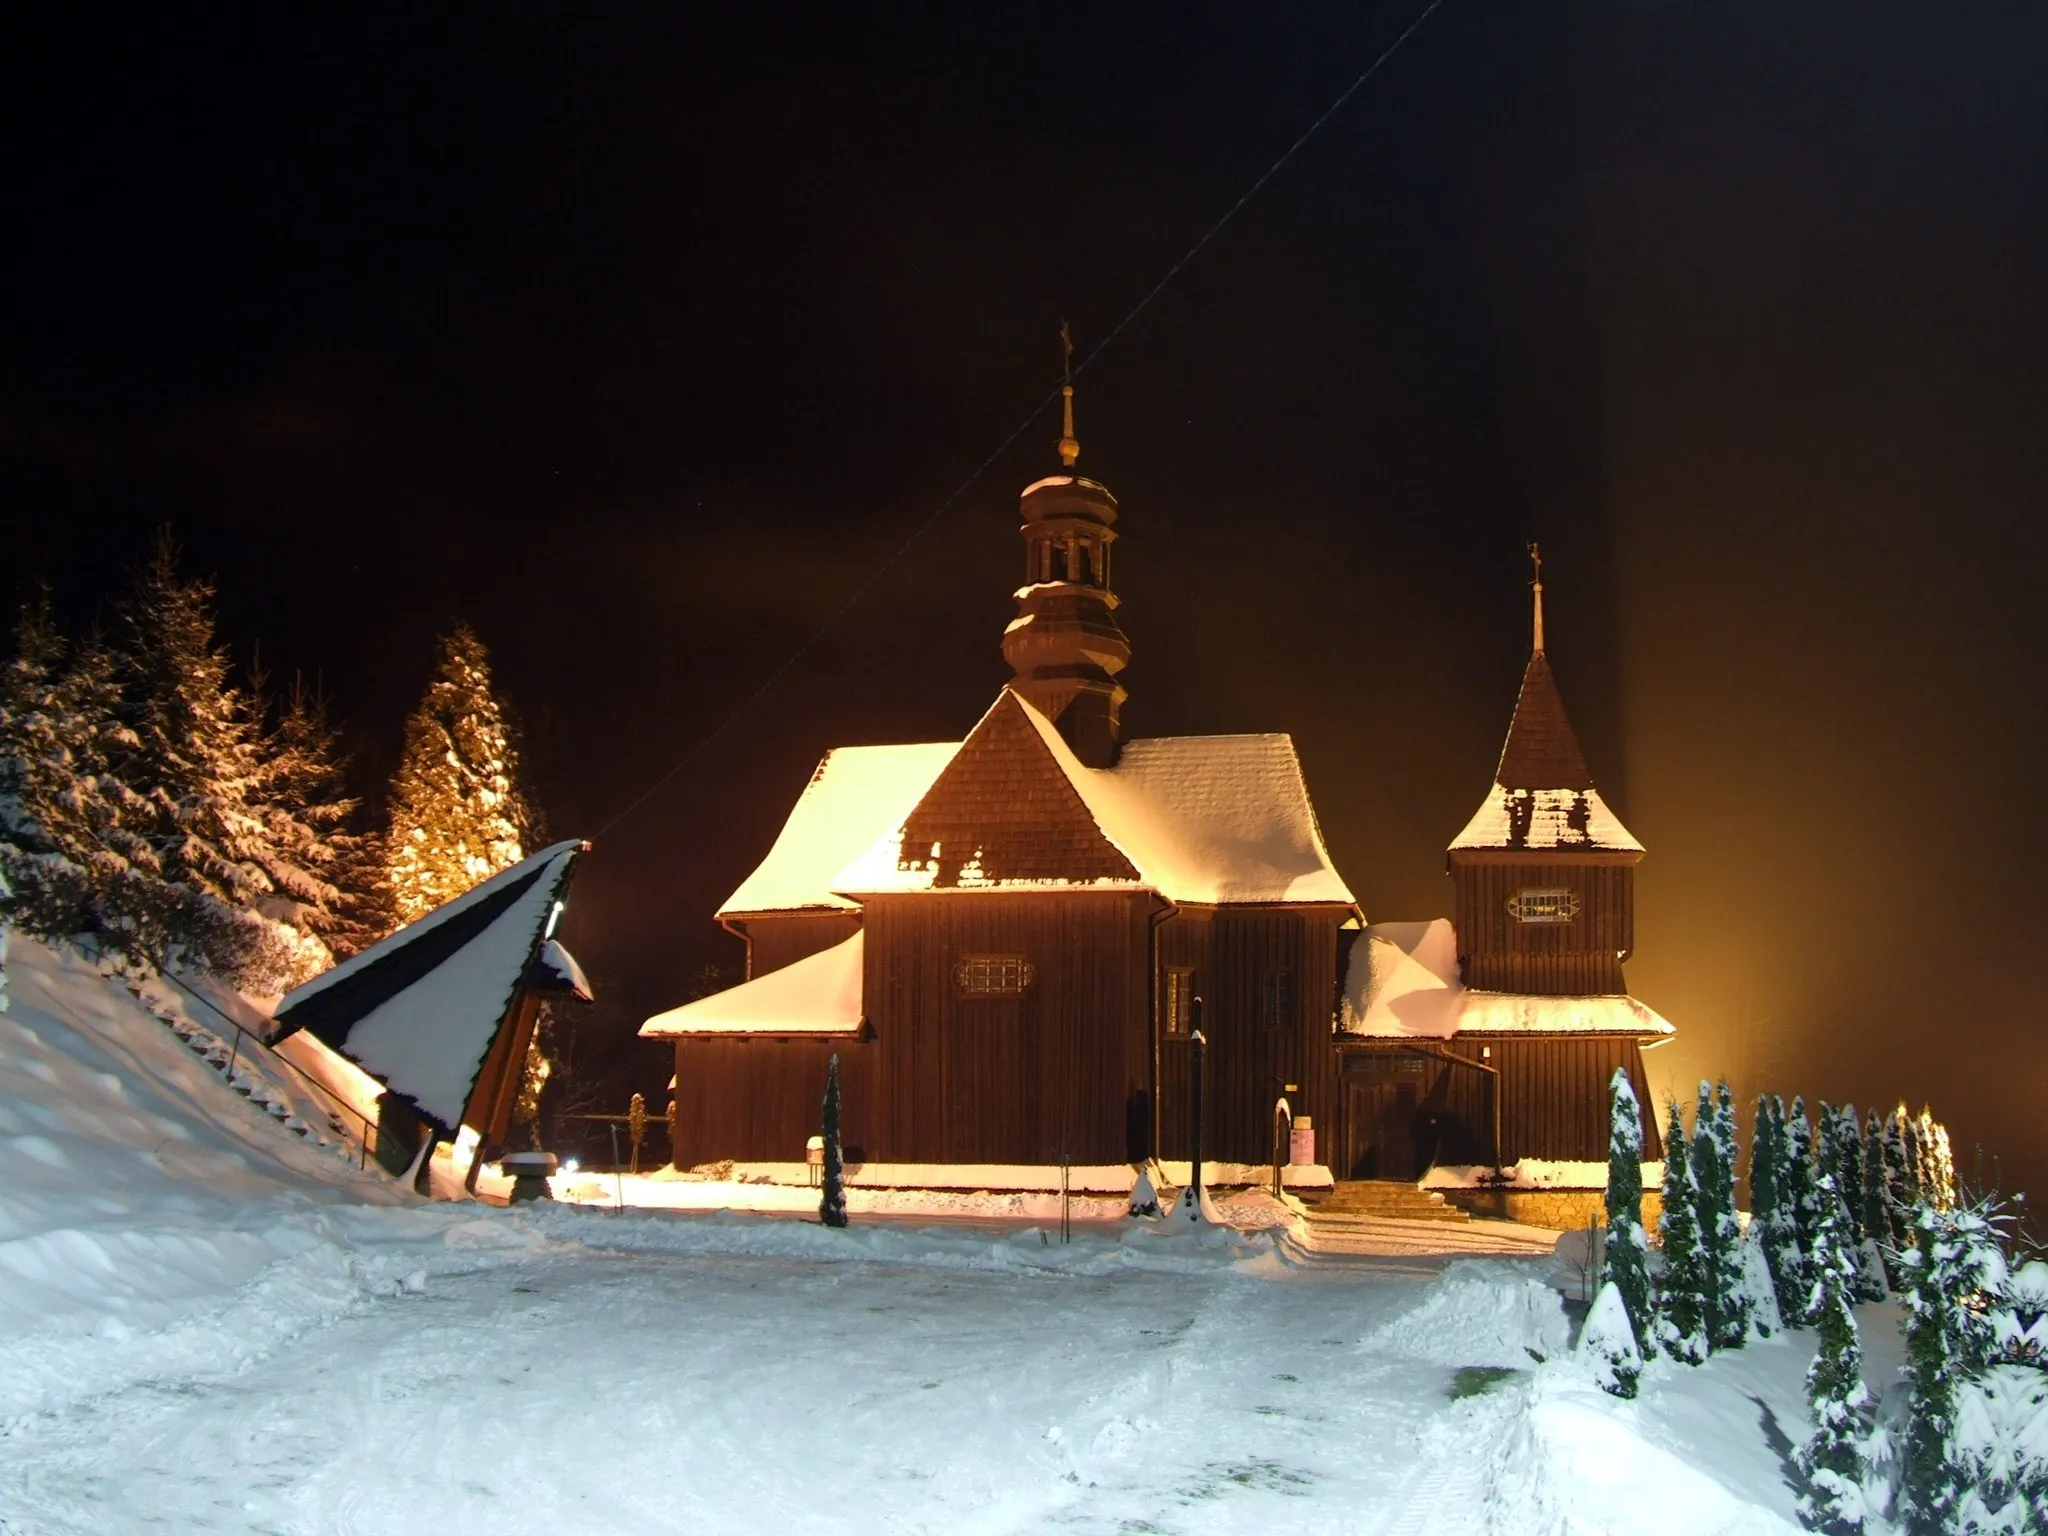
(1625, 1261)
(2002, 1413)
(1802, 1183)
(315, 861)
(1713, 1162)
(1706, 1185)
(196, 758)
(1901, 1192)
(1773, 1216)
(1681, 1328)
(1841, 1159)
(71, 830)
(456, 810)
(1877, 1225)
(832, 1200)
(1608, 1343)
(1952, 1263)
(1832, 1458)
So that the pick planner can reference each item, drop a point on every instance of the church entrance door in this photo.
(1380, 1129)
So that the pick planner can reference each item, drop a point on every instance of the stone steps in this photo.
(1382, 1199)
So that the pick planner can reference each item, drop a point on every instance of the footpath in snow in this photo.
(210, 1323)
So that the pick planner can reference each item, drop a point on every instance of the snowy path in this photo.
(708, 1393)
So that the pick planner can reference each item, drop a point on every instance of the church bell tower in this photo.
(1065, 645)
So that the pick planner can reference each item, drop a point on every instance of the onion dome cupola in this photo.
(1544, 871)
(1065, 645)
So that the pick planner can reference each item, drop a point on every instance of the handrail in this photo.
(234, 1054)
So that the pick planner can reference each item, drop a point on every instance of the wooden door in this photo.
(1380, 1129)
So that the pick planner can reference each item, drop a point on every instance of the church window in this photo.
(993, 975)
(1544, 904)
(1277, 1000)
(1177, 1000)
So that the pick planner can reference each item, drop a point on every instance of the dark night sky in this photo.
(642, 340)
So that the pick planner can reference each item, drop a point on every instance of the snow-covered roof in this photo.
(855, 795)
(1403, 983)
(555, 970)
(1199, 818)
(420, 1009)
(1543, 796)
(817, 995)
(1575, 819)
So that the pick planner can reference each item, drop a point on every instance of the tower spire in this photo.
(1536, 586)
(1070, 446)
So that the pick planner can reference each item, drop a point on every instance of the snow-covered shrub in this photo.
(1608, 1344)
(1681, 1326)
(1833, 1458)
(1625, 1266)
(1760, 1296)
(2001, 1414)
(1773, 1219)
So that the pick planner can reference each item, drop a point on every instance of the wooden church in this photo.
(1491, 1037)
(1002, 938)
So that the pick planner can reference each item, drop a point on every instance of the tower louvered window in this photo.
(1277, 1000)
(993, 975)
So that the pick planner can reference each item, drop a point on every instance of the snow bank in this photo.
(1483, 1312)
(152, 1220)
(1578, 1463)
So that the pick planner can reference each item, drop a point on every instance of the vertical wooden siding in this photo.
(1234, 952)
(762, 1100)
(1553, 1100)
(783, 938)
(1583, 956)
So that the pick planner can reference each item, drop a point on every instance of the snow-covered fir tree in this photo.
(1954, 1262)
(1713, 1169)
(832, 1197)
(1841, 1159)
(1681, 1326)
(71, 830)
(197, 757)
(1801, 1190)
(1607, 1344)
(2002, 1413)
(1625, 1260)
(1901, 1188)
(1771, 1214)
(315, 861)
(1759, 1293)
(456, 810)
(1833, 1457)
(1878, 1229)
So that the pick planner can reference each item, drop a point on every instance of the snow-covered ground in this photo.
(207, 1323)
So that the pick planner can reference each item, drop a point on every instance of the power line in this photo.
(1019, 430)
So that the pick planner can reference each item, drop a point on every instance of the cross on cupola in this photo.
(1065, 645)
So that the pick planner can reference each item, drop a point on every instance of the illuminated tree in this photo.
(457, 812)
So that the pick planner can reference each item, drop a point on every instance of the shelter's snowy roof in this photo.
(555, 970)
(420, 1009)
(1546, 819)
(1198, 818)
(817, 995)
(854, 795)
(1403, 983)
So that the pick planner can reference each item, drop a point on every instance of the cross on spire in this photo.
(1536, 587)
(1070, 446)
